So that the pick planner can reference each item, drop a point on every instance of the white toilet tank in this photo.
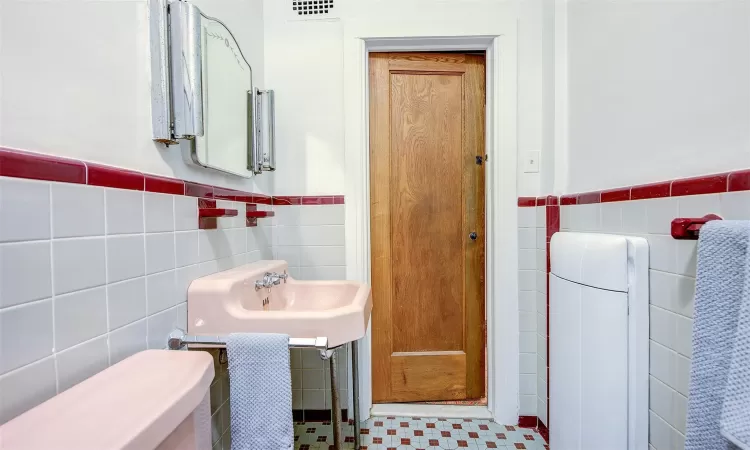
(599, 350)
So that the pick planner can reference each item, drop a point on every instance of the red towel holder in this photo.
(689, 227)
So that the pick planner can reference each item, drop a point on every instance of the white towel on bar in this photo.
(260, 392)
(735, 415)
(721, 280)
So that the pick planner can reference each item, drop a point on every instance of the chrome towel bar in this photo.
(178, 339)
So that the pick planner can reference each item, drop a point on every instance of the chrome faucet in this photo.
(270, 279)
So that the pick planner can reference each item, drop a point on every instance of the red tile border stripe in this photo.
(164, 185)
(739, 181)
(262, 199)
(653, 190)
(198, 190)
(37, 166)
(317, 200)
(113, 177)
(287, 200)
(525, 202)
(226, 194)
(571, 199)
(589, 197)
(615, 195)
(282, 200)
(735, 181)
(711, 184)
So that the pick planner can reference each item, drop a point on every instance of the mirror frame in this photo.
(177, 91)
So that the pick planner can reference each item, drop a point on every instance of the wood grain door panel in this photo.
(420, 376)
(427, 195)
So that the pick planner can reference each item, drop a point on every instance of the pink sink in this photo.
(228, 302)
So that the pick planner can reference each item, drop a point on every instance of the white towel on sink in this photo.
(260, 392)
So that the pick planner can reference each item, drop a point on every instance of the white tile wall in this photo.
(27, 202)
(311, 239)
(528, 244)
(541, 316)
(124, 211)
(77, 210)
(26, 273)
(91, 275)
(672, 286)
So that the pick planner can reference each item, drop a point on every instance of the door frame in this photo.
(501, 255)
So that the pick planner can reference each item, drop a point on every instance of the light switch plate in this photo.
(531, 162)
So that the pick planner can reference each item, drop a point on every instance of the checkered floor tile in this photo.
(382, 433)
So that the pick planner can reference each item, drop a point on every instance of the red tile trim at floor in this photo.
(543, 431)
(527, 421)
(36, 166)
(709, 184)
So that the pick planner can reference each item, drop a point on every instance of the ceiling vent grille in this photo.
(306, 8)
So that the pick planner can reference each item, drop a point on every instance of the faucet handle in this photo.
(277, 277)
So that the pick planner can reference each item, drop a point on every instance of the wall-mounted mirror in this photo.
(227, 82)
(220, 120)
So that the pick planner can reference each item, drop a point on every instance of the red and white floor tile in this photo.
(382, 433)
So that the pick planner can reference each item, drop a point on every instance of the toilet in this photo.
(155, 399)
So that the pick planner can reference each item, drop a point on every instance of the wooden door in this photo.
(427, 200)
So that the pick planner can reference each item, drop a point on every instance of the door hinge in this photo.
(484, 330)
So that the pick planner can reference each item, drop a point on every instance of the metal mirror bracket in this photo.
(161, 111)
(269, 159)
(256, 162)
(187, 90)
(265, 160)
(252, 135)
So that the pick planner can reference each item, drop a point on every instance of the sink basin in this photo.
(227, 302)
